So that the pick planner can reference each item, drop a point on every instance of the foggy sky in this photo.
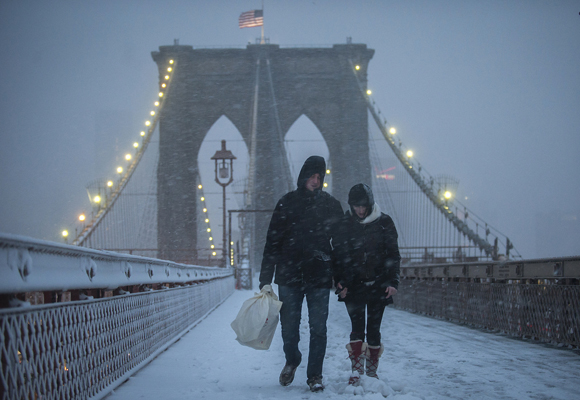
(486, 91)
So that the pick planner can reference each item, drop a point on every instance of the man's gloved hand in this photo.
(267, 288)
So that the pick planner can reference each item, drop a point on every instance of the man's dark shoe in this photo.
(287, 374)
(315, 384)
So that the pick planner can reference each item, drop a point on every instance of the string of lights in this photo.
(106, 196)
(206, 220)
(441, 193)
(436, 192)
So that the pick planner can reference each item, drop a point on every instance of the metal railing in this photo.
(84, 349)
(441, 254)
(29, 265)
(537, 299)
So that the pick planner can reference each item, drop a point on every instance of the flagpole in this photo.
(263, 41)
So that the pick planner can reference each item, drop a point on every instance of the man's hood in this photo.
(312, 165)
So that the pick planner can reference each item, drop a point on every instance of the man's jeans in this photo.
(292, 298)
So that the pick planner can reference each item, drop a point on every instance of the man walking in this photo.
(298, 248)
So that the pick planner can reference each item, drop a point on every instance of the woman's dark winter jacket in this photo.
(298, 243)
(368, 255)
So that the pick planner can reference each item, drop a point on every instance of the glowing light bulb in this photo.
(152, 113)
(212, 246)
(97, 199)
(64, 233)
(166, 77)
(409, 153)
(202, 199)
(119, 170)
(325, 184)
(160, 94)
(156, 104)
(82, 217)
(128, 157)
(142, 133)
(135, 144)
(163, 85)
(213, 253)
(147, 123)
(392, 131)
(208, 229)
(327, 172)
(210, 238)
(110, 183)
(447, 194)
(207, 220)
(205, 210)
(170, 61)
(199, 186)
(169, 69)
(369, 92)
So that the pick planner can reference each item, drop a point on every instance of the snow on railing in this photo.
(30, 265)
(84, 349)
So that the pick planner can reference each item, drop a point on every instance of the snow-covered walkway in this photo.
(424, 359)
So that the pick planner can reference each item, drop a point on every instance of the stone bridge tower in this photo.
(262, 89)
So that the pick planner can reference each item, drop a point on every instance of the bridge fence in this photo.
(535, 299)
(85, 348)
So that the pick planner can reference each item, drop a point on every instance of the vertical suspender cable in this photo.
(283, 157)
(425, 221)
(253, 133)
(253, 149)
(412, 209)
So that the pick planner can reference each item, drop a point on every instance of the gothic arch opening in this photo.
(222, 129)
(303, 140)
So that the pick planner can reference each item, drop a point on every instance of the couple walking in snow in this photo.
(309, 242)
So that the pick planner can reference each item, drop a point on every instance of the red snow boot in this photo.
(373, 354)
(356, 350)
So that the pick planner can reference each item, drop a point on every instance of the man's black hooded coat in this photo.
(298, 244)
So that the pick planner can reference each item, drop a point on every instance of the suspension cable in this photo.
(448, 214)
(89, 228)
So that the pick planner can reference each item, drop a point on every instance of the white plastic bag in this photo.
(256, 322)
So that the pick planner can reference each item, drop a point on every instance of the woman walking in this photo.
(367, 276)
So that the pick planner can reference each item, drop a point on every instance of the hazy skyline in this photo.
(488, 92)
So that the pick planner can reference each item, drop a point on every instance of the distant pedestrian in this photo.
(298, 248)
(367, 277)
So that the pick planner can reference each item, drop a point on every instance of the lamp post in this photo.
(224, 175)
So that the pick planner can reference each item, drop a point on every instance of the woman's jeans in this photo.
(292, 298)
(374, 311)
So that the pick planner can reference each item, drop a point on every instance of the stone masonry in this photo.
(209, 83)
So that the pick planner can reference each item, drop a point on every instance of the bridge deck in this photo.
(424, 358)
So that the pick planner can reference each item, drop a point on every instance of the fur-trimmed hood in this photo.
(373, 216)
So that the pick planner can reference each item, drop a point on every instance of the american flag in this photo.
(252, 18)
